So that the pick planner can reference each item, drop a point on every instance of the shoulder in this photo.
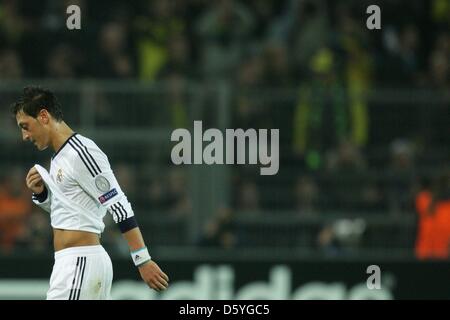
(85, 142)
(87, 155)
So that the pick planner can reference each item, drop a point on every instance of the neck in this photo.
(60, 133)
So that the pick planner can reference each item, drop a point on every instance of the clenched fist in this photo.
(34, 181)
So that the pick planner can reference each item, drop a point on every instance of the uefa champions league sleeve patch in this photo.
(102, 183)
(107, 196)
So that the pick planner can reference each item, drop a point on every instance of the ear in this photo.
(43, 116)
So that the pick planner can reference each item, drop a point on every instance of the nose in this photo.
(25, 136)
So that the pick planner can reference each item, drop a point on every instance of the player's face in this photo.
(33, 130)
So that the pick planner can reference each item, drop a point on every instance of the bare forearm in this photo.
(149, 270)
(134, 239)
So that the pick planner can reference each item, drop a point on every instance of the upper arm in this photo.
(92, 171)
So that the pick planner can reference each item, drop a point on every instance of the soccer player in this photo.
(77, 192)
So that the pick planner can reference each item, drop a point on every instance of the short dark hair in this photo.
(34, 99)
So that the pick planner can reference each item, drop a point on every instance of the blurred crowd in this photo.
(277, 42)
(343, 148)
(321, 50)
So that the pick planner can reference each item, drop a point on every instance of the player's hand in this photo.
(34, 181)
(153, 276)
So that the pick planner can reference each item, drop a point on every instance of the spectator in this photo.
(63, 62)
(223, 31)
(36, 236)
(264, 12)
(358, 71)
(424, 246)
(439, 72)
(126, 176)
(309, 30)
(347, 177)
(178, 191)
(434, 116)
(12, 22)
(219, 231)
(346, 158)
(401, 173)
(179, 59)
(306, 196)
(278, 71)
(170, 195)
(402, 62)
(342, 237)
(433, 208)
(15, 207)
(157, 196)
(174, 102)
(440, 13)
(440, 207)
(250, 110)
(10, 65)
(248, 198)
(153, 36)
(113, 52)
(316, 132)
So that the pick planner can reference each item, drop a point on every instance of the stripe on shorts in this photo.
(78, 279)
(77, 297)
(74, 278)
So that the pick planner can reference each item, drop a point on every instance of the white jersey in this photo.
(82, 175)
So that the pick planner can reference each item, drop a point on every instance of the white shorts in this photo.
(81, 273)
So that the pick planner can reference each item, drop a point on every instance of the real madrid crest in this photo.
(59, 176)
